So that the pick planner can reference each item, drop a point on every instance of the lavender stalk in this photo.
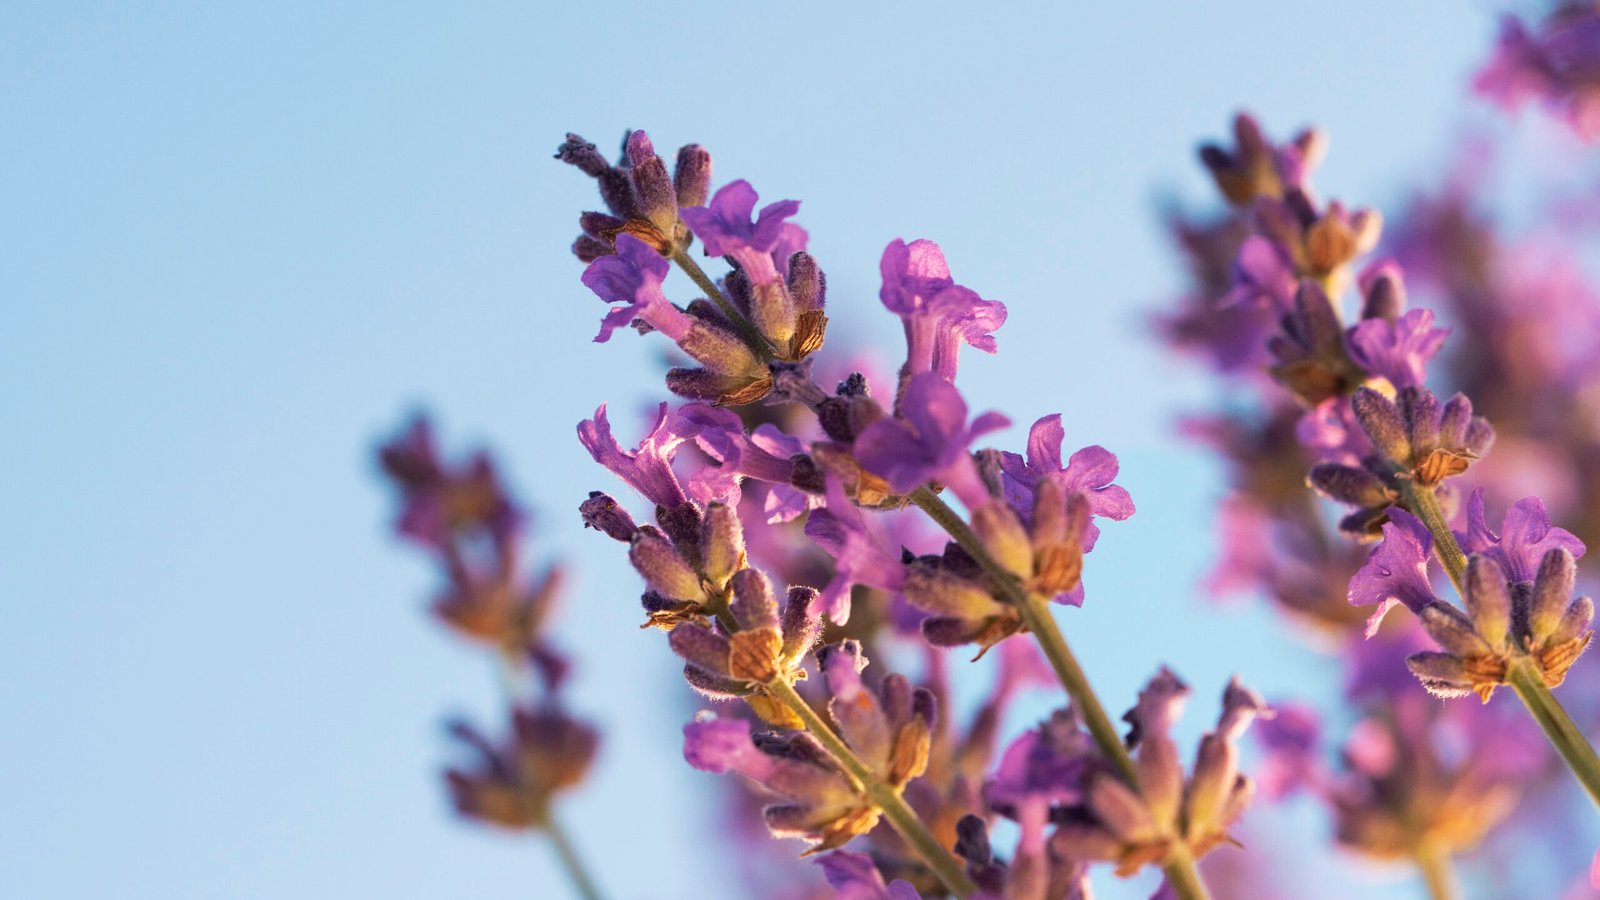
(1179, 865)
(901, 816)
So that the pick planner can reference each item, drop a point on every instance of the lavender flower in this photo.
(1396, 572)
(1397, 350)
(930, 442)
(648, 468)
(1557, 64)
(938, 314)
(777, 285)
(1525, 537)
(643, 202)
(854, 877)
(859, 558)
(889, 730)
(1137, 824)
(631, 279)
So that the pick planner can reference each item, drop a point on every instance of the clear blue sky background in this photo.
(239, 241)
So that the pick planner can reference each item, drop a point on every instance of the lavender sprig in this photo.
(1390, 457)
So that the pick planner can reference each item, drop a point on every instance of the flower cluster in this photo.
(462, 516)
(1353, 416)
(725, 478)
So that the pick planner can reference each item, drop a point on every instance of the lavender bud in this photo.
(576, 151)
(1383, 424)
(1552, 589)
(1452, 630)
(1385, 298)
(1121, 810)
(721, 543)
(807, 285)
(753, 605)
(1488, 600)
(1004, 537)
(701, 647)
(1574, 622)
(1421, 411)
(651, 185)
(1453, 421)
(1347, 484)
(1444, 676)
(691, 179)
(602, 513)
(802, 624)
(664, 570)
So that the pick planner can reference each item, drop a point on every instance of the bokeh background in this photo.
(241, 242)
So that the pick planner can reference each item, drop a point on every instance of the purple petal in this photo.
(1396, 570)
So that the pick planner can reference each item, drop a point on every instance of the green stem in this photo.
(1182, 875)
(1558, 727)
(581, 882)
(1523, 674)
(747, 331)
(1424, 503)
(1180, 865)
(901, 816)
(1436, 873)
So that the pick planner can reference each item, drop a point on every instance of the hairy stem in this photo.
(1423, 502)
(740, 324)
(1179, 866)
(901, 816)
(1436, 872)
(576, 872)
(1558, 727)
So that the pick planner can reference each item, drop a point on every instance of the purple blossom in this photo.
(1332, 434)
(1558, 66)
(1399, 350)
(719, 432)
(1264, 276)
(1397, 569)
(441, 503)
(938, 314)
(930, 442)
(727, 229)
(632, 279)
(858, 558)
(1292, 740)
(723, 745)
(1525, 536)
(1090, 472)
(648, 469)
(853, 876)
(1037, 768)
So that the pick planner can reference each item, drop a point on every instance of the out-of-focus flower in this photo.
(1557, 63)
(1138, 824)
(513, 782)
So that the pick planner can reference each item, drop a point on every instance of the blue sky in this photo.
(243, 240)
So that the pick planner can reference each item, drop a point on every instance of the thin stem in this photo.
(1044, 628)
(901, 816)
(751, 336)
(581, 882)
(1523, 674)
(1424, 503)
(1436, 872)
(1182, 876)
(1558, 727)
(1179, 866)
